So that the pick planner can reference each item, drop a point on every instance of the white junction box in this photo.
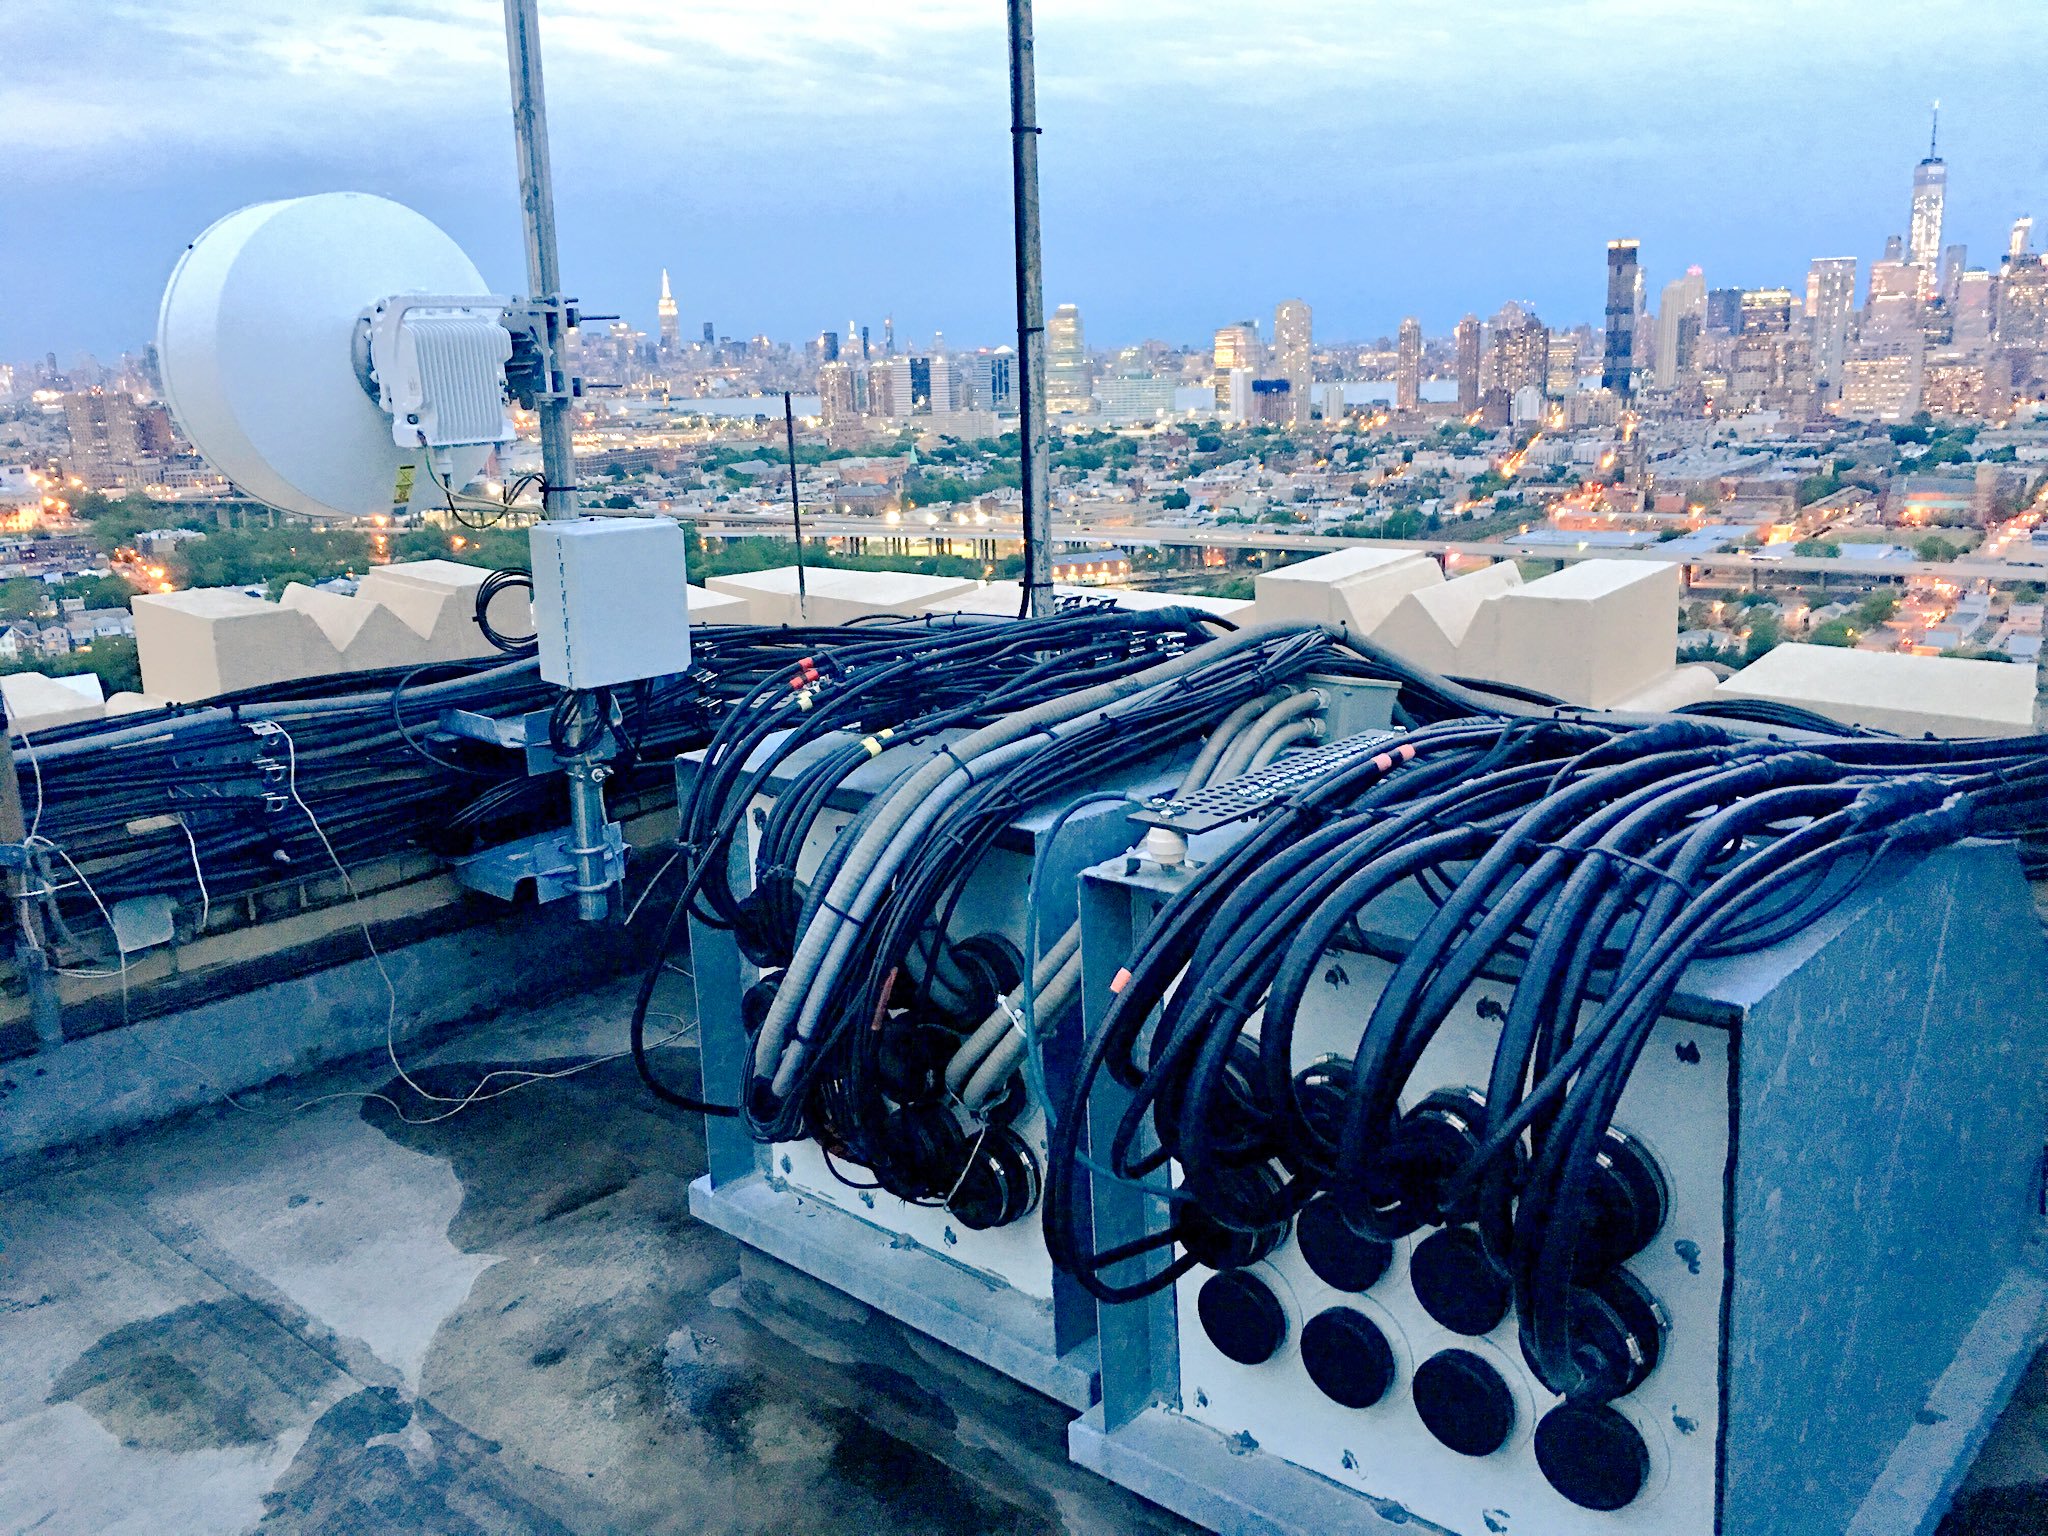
(610, 600)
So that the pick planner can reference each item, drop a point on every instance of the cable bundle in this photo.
(191, 800)
(1590, 859)
(892, 1040)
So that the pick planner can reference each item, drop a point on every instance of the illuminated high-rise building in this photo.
(1893, 303)
(1236, 346)
(1521, 356)
(1069, 378)
(1830, 314)
(1954, 261)
(843, 391)
(107, 440)
(670, 328)
(2023, 302)
(1618, 361)
(1561, 373)
(2022, 236)
(1468, 364)
(1930, 192)
(1766, 311)
(1974, 310)
(1408, 380)
(1681, 317)
(1293, 327)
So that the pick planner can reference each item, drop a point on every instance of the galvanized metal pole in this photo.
(543, 256)
(586, 774)
(1033, 454)
(796, 506)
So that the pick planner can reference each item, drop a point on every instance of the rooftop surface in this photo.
(354, 1316)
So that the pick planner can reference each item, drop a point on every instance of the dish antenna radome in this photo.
(313, 347)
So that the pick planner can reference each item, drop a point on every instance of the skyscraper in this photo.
(1681, 316)
(1766, 311)
(106, 440)
(1893, 303)
(1521, 356)
(988, 382)
(1408, 381)
(1468, 364)
(1930, 191)
(671, 331)
(1068, 377)
(843, 388)
(1618, 362)
(1830, 309)
(1236, 346)
(1955, 260)
(1561, 379)
(1293, 323)
(2023, 302)
(2022, 236)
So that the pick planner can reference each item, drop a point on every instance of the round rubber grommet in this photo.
(1242, 1317)
(1462, 1400)
(1338, 1254)
(1593, 1456)
(1347, 1357)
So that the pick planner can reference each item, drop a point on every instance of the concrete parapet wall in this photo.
(834, 596)
(1430, 625)
(1911, 695)
(1349, 589)
(1594, 634)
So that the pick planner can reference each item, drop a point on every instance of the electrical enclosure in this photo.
(610, 600)
(1831, 1346)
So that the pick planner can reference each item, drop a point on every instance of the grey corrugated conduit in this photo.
(1295, 731)
(1254, 735)
(914, 804)
(995, 1070)
(1220, 740)
(1004, 1015)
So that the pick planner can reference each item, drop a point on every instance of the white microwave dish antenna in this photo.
(260, 341)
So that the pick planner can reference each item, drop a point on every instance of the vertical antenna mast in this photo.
(1038, 597)
(585, 773)
(796, 506)
(543, 256)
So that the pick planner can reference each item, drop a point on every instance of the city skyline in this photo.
(844, 165)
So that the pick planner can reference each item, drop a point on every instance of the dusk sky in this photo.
(799, 164)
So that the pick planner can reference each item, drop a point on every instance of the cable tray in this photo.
(1251, 793)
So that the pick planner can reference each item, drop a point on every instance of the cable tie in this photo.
(1018, 1022)
(843, 915)
(959, 761)
(1618, 856)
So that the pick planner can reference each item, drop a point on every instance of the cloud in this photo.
(792, 160)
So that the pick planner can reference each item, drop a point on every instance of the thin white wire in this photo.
(476, 1094)
(473, 1097)
(653, 880)
(198, 874)
(106, 916)
(36, 766)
